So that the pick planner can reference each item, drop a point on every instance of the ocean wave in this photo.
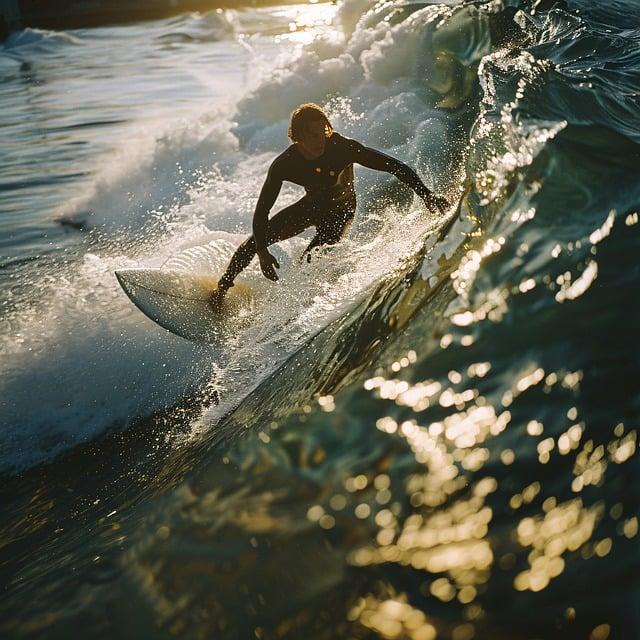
(152, 174)
(442, 417)
(39, 40)
(210, 26)
(431, 84)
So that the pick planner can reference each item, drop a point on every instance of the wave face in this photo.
(438, 416)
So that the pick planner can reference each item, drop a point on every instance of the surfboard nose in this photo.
(123, 280)
(130, 277)
(178, 301)
(131, 281)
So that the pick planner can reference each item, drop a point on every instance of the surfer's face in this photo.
(313, 139)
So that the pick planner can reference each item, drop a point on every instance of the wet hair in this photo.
(303, 115)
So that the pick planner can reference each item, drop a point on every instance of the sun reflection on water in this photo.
(445, 530)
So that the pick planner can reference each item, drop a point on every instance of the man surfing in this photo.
(320, 160)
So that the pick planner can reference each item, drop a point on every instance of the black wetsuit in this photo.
(330, 200)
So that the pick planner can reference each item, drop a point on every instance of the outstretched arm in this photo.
(373, 159)
(266, 200)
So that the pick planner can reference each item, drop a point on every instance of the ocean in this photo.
(428, 431)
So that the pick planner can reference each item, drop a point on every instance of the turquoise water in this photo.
(432, 434)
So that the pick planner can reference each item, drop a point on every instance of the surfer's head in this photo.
(309, 129)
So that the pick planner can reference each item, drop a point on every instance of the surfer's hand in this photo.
(267, 264)
(436, 203)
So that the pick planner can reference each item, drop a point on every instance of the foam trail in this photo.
(152, 173)
(87, 363)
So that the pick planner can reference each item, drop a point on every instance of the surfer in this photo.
(320, 160)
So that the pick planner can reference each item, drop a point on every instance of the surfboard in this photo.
(181, 301)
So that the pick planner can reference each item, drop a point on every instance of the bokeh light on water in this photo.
(454, 454)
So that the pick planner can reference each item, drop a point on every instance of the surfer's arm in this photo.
(266, 200)
(373, 159)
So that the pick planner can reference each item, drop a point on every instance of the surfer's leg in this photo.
(285, 224)
(331, 229)
(239, 261)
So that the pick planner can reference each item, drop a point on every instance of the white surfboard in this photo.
(181, 302)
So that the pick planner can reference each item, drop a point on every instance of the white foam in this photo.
(152, 171)
(81, 359)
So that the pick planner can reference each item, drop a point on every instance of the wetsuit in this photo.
(329, 203)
